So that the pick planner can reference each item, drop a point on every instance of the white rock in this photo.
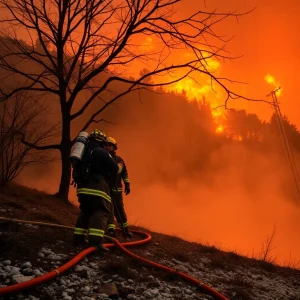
(53, 256)
(26, 265)
(79, 268)
(154, 292)
(70, 291)
(37, 273)
(6, 262)
(86, 288)
(21, 278)
(14, 271)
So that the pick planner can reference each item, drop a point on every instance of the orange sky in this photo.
(268, 40)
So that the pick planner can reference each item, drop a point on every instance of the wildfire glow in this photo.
(237, 138)
(275, 84)
(216, 113)
(190, 88)
(194, 92)
(220, 129)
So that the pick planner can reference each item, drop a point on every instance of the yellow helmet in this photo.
(98, 135)
(112, 141)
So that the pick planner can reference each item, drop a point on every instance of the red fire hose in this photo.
(147, 238)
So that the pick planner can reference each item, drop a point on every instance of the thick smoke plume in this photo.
(189, 181)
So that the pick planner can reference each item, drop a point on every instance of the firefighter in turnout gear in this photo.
(117, 207)
(94, 193)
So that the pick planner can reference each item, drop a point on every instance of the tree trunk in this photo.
(64, 185)
(65, 151)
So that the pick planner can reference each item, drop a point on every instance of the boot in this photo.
(79, 240)
(102, 249)
(111, 232)
(99, 245)
(128, 233)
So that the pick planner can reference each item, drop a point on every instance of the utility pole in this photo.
(285, 141)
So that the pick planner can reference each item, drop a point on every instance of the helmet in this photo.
(112, 141)
(98, 135)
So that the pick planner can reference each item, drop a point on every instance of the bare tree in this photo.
(267, 248)
(89, 47)
(19, 117)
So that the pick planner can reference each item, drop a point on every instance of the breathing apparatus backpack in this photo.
(80, 159)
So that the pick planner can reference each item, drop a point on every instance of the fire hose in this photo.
(51, 275)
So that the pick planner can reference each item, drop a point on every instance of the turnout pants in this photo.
(92, 219)
(117, 210)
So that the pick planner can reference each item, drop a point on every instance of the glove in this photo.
(127, 188)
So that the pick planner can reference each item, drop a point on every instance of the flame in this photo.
(276, 85)
(190, 88)
(238, 138)
(220, 129)
(194, 89)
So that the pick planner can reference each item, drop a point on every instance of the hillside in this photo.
(31, 250)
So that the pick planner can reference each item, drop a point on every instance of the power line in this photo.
(285, 141)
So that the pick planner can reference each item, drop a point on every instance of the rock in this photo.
(79, 269)
(183, 269)
(66, 296)
(27, 271)
(148, 295)
(46, 251)
(37, 273)
(70, 291)
(8, 268)
(26, 265)
(14, 271)
(21, 278)
(53, 256)
(93, 265)
(87, 289)
(41, 254)
(6, 262)
(110, 290)
(130, 281)
(154, 292)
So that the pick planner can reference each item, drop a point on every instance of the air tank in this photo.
(79, 147)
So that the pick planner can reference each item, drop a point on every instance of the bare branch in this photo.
(18, 117)
(74, 49)
(267, 249)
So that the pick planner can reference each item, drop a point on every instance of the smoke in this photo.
(188, 181)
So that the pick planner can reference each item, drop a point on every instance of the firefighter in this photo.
(94, 194)
(117, 207)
